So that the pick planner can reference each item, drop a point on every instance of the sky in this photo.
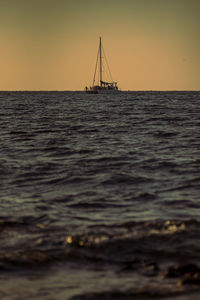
(52, 44)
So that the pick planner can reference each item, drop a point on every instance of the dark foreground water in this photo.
(99, 196)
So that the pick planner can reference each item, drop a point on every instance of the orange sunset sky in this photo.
(52, 45)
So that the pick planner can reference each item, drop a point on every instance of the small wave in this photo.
(18, 132)
(165, 134)
(142, 240)
(151, 292)
(94, 205)
(182, 203)
(24, 222)
(144, 197)
(126, 179)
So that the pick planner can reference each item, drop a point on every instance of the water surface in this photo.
(99, 195)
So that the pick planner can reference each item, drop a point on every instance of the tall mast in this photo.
(100, 61)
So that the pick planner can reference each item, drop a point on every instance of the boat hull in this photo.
(108, 92)
(104, 92)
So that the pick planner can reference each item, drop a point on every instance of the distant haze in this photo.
(52, 44)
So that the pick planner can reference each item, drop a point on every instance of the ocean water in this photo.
(99, 195)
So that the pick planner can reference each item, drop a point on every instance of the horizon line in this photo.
(179, 90)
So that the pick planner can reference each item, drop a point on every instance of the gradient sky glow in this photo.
(52, 44)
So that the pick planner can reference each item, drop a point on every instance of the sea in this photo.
(99, 195)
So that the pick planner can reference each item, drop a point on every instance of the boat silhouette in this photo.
(100, 86)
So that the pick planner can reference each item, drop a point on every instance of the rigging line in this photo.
(107, 75)
(95, 68)
(107, 64)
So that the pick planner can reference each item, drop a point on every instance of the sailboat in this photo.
(99, 86)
